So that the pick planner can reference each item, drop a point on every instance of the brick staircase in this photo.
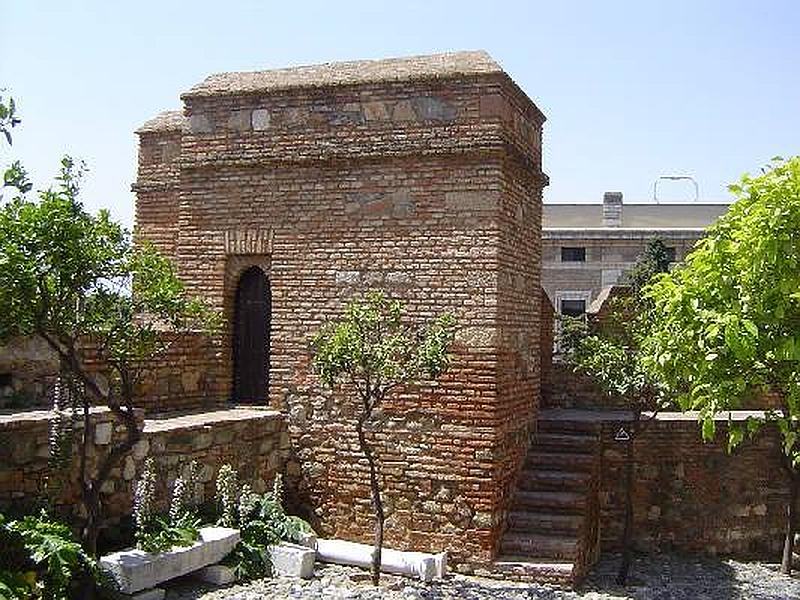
(552, 533)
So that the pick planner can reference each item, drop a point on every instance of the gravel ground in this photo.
(652, 578)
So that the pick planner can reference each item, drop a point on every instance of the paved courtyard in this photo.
(662, 577)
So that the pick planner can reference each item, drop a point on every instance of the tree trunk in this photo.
(627, 533)
(90, 487)
(377, 504)
(91, 530)
(791, 520)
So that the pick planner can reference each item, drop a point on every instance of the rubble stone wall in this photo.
(185, 375)
(27, 369)
(256, 442)
(691, 496)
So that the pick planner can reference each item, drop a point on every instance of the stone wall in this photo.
(691, 496)
(427, 186)
(27, 369)
(185, 375)
(254, 441)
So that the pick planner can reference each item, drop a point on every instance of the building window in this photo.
(573, 254)
(672, 254)
(573, 308)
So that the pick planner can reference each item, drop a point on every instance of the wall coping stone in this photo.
(13, 418)
(205, 418)
(600, 416)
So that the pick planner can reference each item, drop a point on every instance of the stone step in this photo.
(539, 570)
(533, 545)
(541, 522)
(559, 426)
(537, 479)
(549, 500)
(539, 459)
(564, 442)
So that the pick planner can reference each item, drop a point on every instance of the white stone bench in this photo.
(135, 570)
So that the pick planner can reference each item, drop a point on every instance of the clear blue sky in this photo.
(632, 90)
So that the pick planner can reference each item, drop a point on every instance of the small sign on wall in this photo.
(622, 435)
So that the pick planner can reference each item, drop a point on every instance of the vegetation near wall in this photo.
(726, 324)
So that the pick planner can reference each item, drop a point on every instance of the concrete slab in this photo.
(292, 560)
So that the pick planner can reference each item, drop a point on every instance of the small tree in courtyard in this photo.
(373, 352)
(609, 352)
(726, 325)
(75, 280)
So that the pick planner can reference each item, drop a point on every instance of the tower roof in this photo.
(430, 67)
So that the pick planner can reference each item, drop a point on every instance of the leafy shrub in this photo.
(261, 520)
(41, 559)
(164, 534)
(155, 533)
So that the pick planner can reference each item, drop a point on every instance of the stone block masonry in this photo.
(255, 441)
(418, 176)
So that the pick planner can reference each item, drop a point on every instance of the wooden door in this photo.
(251, 329)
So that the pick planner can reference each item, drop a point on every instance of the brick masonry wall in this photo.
(691, 496)
(256, 442)
(430, 190)
(546, 340)
(563, 388)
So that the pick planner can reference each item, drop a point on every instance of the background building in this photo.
(588, 247)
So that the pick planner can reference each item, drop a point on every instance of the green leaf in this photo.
(709, 428)
(735, 435)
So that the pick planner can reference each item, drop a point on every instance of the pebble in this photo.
(656, 577)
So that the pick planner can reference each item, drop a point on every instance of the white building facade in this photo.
(587, 248)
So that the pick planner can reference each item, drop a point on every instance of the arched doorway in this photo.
(251, 330)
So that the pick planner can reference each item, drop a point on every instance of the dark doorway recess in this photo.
(251, 328)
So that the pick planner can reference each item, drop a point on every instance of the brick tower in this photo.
(294, 189)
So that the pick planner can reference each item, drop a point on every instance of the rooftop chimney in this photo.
(612, 209)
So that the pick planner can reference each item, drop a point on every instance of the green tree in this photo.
(608, 351)
(726, 325)
(77, 281)
(8, 117)
(15, 175)
(373, 352)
